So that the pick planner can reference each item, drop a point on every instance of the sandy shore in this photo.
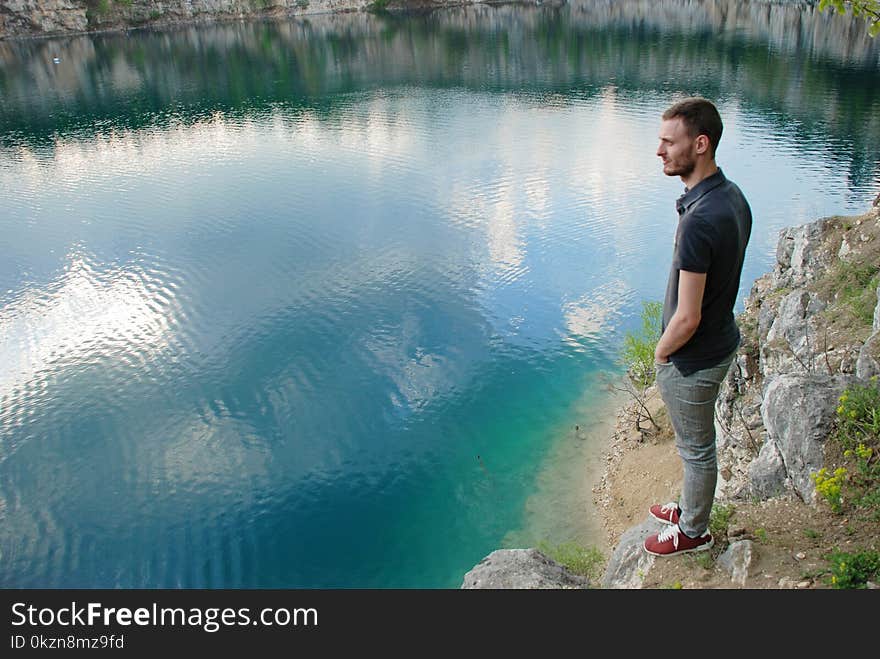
(640, 469)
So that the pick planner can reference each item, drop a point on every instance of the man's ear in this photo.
(702, 144)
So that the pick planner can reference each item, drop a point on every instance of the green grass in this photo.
(585, 561)
(853, 287)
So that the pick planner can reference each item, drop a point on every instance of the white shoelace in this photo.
(672, 506)
(669, 533)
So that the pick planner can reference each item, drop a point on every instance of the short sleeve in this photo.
(693, 251)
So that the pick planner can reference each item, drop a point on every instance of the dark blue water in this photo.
(320, 303)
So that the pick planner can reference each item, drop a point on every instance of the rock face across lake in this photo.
(58, 17)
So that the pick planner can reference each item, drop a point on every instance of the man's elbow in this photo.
(689, 322)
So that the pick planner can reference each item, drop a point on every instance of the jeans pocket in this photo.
(660, 370)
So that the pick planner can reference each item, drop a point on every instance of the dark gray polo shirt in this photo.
(714, 226)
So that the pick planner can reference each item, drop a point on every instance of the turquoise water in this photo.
(319, 303)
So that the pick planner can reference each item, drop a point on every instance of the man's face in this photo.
(677, 149)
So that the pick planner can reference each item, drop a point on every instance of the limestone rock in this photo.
(800, 254)
(868, 363)
(521, 569)
(876, 324)
(630, 562)
(791, 342)
(767, 475)
(798, 411)
(42, 17)
(737, 559)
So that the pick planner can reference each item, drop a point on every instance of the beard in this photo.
(682, 166)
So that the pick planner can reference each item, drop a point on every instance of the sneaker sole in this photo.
(704, 547)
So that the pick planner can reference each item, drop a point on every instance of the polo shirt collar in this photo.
(690, 197)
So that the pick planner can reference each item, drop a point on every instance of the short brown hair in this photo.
(700, 117)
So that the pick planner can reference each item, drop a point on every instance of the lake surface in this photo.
(333, 302)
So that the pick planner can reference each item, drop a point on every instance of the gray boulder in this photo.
(876, 325)
(521, 569)
(630, 562)
(798, 412)
(868, 363)
(737, 559)
(767, 475)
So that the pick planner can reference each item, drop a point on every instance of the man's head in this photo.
(689, 135)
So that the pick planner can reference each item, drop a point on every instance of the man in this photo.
(700, 336)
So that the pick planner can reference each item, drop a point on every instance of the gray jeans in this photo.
(690, 402)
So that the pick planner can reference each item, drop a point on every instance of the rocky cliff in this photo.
(773, 20)
(811, 328)
(19, 18)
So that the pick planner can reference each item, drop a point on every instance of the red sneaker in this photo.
(672, 541)
(667, 513)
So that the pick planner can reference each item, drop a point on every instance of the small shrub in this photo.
(761, 535)
(858, 415)
(858, 433)
(829, 486)
(705, 560)
(719, 519)
(853, 570)
(812, 534)
(638, 348)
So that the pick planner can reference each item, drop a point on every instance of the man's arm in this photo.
(686, 319)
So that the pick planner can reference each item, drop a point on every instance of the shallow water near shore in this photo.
(319, 303)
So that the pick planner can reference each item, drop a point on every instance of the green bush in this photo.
(638, 348)
(853, 570)
(858, 415)
(858, 433)
(867, 9)
(830, 486)
(719, 519)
